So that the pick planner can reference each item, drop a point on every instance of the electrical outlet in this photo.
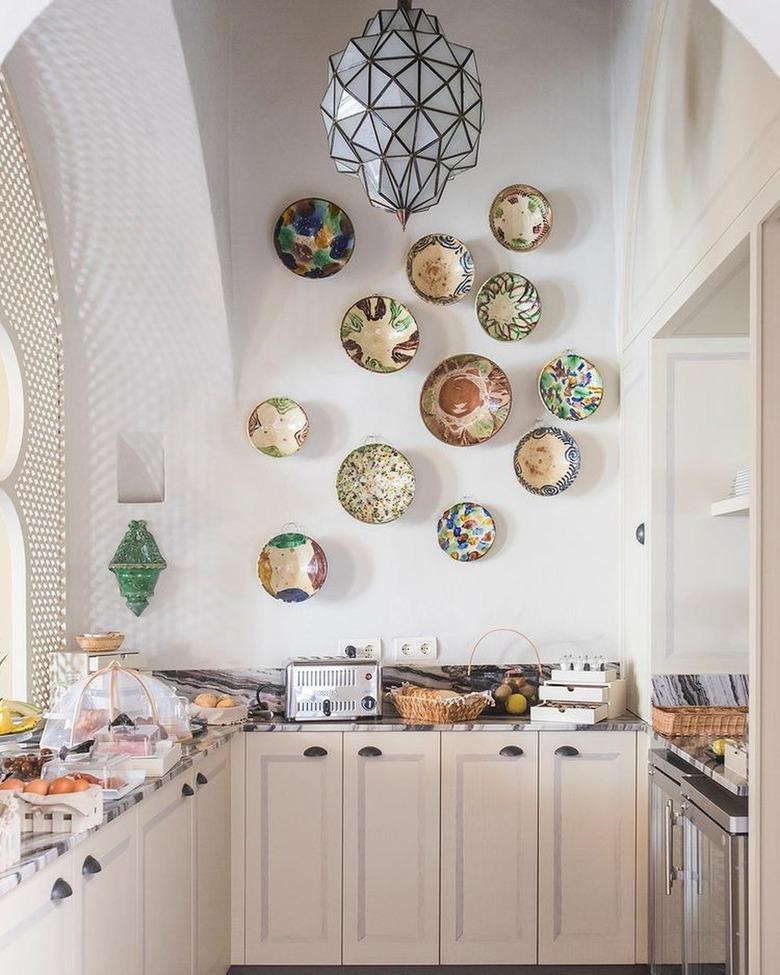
(363, 648)
(415, 648)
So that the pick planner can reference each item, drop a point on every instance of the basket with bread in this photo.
(218, 708)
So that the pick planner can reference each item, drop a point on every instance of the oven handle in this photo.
(668, 844)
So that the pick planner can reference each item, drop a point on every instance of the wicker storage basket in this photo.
(699, 721)
(100, 642)
(423, 705)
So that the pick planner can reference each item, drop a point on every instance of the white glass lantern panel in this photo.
(351, 56)
(395, 45)
(392, 96)
(364, 138)
(443, 100)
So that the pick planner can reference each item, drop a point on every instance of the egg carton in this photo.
(72, 812)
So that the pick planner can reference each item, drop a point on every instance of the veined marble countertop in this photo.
(40, 849)
(695, 750)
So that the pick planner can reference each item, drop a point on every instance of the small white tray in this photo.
(155, 765)
(570, 713)
(584, 676)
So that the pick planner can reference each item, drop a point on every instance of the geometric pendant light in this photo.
(403, 110)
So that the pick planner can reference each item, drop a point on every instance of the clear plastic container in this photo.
(175, 717)
(132, 740)
(111, 773)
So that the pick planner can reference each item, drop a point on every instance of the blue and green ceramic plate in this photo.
(571, 387)
(314, 238)
(466, 531)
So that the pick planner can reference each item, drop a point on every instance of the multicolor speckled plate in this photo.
(547, 460)
(375, 483)
(465, 400)
(380, 334)
(440, 268)
(314, 238)
(292, 567)
(520, 217)
(571, 387)
(278, 427)
(508, 306)
(466, 531)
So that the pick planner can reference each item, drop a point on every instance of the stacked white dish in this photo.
(741, 484)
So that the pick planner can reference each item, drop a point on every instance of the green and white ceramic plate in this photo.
(508, 306)
(375, 483)
(380, 334)
(520, 217)
(292, 567)
(440, 268)
(466, 531)
(547, 460)
(278, 427)
(571, 387)
(465, 400)
(314, 238)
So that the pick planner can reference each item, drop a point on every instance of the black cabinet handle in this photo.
(90, 866)
(511, 751)
(61, 890)
(569, 751)
(370, 752)
(315, 751)
(201, 779)
(640, 533)
(187, 790)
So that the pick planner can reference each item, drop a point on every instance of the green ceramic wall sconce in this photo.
(137, 565)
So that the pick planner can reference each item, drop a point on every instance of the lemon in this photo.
(516, 704)
(719, 746)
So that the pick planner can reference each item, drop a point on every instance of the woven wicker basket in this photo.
(423, 705)
(100, 642)
(699, 721)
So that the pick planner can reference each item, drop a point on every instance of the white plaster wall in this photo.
(132, 196)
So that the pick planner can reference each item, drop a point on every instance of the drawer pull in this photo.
(511, 751)
(370, 752)
(568, 751)
(187, 790)
(201, 779)
(61, 890)
(315, 751)
(90, 866)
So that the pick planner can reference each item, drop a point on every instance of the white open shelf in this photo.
(731, 506)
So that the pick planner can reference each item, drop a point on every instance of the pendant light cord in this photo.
(404, 4)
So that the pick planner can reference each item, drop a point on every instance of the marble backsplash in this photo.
(267, 685)
(709, 690)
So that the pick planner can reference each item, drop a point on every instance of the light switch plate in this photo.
(416, 648)
(365, 648)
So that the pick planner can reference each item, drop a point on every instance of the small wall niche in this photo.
(140, 467)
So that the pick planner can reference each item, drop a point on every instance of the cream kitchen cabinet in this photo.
(212, 863)
(37, 922)
(293, 849)
(488, 848)
(391, 848)
(587, 847)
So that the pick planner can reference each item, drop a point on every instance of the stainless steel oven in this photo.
(715, 827)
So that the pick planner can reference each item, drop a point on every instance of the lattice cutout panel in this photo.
(29, 307)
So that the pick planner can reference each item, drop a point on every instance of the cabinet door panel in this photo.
(107, 874)
(212, 863)
(489, 847)
(293, 849)
(391, 849)
(587, 841)
(166, 837)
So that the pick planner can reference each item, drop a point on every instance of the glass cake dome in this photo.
(95, 702)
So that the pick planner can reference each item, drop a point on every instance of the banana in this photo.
(20, 708)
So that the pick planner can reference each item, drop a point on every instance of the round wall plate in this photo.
(508, 307)
(278, 427)
(547, 460)
(571, 387)
(520, 217)
(292, 567)
(375, 483)
(465, 400)
(440, 269)
(466, 531)
(380, 334)
(314, 238)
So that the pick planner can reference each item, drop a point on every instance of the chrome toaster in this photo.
(333, 688)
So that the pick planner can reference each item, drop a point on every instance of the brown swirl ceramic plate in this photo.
(465, 400)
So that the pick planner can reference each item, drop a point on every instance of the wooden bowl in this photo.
(100, 642)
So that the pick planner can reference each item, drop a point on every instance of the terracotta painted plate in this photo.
(508, 307)
(375, 483)
(278, 427)
(292, 567)
(440, 268)
(547, 460)
(380, 334)
(466, 531)
(314, 238)
(520, 217)
(465, 400)
(571, 387)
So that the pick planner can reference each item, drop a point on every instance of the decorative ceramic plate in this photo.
(278, 427)
(314, 238)
(508, 306)
(375, 483)
(380, 334)
(465, 400)
(571, 387)
(547, 460)
(520, 217)
(440, 269)
(292, 567)
(466, 531)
